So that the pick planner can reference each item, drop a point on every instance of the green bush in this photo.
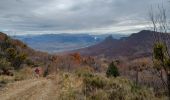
(11, 54)
(5, 66)
(29, 62)
(112, 70)
(19, 59)
(159, 51)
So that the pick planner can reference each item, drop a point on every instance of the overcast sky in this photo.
(72, 16)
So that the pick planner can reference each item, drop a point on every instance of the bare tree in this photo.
(138, 65)
(161, 57)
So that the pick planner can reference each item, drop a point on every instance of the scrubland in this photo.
(81, 84)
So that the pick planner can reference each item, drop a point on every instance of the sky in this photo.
(75, 16)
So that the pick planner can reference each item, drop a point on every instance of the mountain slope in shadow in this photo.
(136, 45)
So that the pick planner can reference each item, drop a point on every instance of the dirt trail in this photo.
(34, 89)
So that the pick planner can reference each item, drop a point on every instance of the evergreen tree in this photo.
(112, 70)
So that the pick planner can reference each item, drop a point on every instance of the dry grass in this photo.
(68, 86)
(74, 86)
(25, 73)
(5, 79)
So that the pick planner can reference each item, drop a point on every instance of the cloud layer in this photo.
(96, 16)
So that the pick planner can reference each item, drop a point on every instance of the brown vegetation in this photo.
(81, 74)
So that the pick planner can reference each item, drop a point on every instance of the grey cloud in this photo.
(74, 15)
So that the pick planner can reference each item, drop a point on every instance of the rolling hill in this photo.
(9, 46)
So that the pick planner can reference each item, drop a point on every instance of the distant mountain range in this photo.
(136, 45)
(53, 43)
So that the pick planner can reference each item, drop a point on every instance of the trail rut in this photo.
(33, 89)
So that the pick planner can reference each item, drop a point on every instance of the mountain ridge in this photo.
(136, 45)
(53, 43)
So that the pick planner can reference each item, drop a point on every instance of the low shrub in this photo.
(84, 72)
(114, 89)
(92, 83)
(99, 95)
(25, 73)
(5, 79)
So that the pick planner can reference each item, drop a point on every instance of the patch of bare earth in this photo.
(54, 87)
(34, 89)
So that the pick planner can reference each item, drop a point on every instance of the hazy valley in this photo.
(53, 43)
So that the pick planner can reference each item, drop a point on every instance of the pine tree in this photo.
(112, 70)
